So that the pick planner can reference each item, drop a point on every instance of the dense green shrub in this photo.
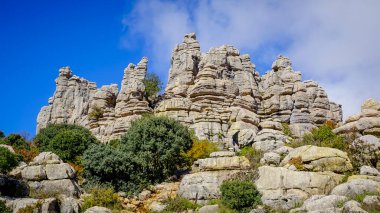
(8, 160)
(96, 113)
(2, 135)
(179, 204)
(152, 85)
(68, 141)
(16, 141)
(104, 197)
(240, 195)
(322, 136)
(200, 149)
(104, 164)
(157, 145)
(150, 152)
(253, 156)
(4, 208)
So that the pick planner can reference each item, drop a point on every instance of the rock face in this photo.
(47, 175)
(217, 94)
(319, 159)
(367, 122)
(283, 188)
(203, 185)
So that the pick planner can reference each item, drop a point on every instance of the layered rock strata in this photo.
(217, 94)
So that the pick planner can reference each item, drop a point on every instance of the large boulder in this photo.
(49, 205)
(283, 188)
(98, 209)
(318, 203)
(319, 159)
(356, 187)
(366, 150)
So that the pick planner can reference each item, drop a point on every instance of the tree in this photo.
(153, 85)
(68, 141)
(157, 145)
(16, 141)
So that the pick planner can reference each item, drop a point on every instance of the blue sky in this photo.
(332, 42)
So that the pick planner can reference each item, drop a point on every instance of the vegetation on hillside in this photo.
(8, 160)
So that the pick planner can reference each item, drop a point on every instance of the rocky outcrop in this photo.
(217, 94)
(282, 188)
(356, 187)
(47, 175)
(367, 122)
(319, 159)
(203, 185)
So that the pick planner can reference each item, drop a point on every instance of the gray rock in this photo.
(367, 170)
(353, 207)
(69, 205)
(34, 173)
(371, 202)
(157, 206)
(321, 203)
(270, 159)
(59, 171)
(209, 209)
(46, 158)
(98, 209)
(221, 163)
(356, 187)
(54, 187)
(222, 154)
(283, 188)
(49, 205)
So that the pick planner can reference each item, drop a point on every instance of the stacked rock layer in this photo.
(217, 94)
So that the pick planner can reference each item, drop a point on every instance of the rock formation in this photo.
(217, 94)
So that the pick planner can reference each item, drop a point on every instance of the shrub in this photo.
(8, 160)
(179, 204)
(157, 145)
(4, 208)
(200, 149)
(297, 162)
(150, 152)
(286, 129)
(240, 195)
(96, 113)
(105, 197)
(68, 141)
(322, 136)
(2, 135)
(253, 156)
(107, 165)
(16, 141)
(152, 85)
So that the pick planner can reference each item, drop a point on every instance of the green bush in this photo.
(4, 208)
(152, 85)
(322, 136)
(8, 160)
(68, 141)
(157, 145)
(150, 152)
(96, 113)
(179, 204)
(104, 197)
(16, 141)
(2, 135)
(253, 156)
(200, 149)
(240, 195)
(286, 129)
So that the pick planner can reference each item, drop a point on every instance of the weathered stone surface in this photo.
(318, 203)
(367, 170)
(222, 154)
(367, 150)
(217, 94)
(371, 202)
(209, 209)
(157, 206)
(268, 140)
(356, 187)
(270, 159)
(366, 122)
(204, 186)
(221, 163)
(353, 206)
(34, 173)
(320, 159)
(54, 187)
(46, 158)
(98, 209)
(69, 205)
(283, 188)
(59, 171)
(49, 205)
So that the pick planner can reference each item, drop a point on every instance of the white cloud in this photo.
(333, 42)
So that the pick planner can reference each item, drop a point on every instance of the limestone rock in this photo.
(59, 171)
(222, 154)
(318, 203)
(69, 205)
(353, 207)
(356, 187)
(367, 122)
(367, 150)
(283, 188)
(49, 205)
(268, 140)
(209, 209)
(371, 202)
(222, 163)
(367, 170)
(54, 187)
(98, 209)
(157, 206)
(320, 159)
(270, 159)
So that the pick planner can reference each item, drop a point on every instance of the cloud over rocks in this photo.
(333, 42)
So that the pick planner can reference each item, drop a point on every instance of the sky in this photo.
(334, 42)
